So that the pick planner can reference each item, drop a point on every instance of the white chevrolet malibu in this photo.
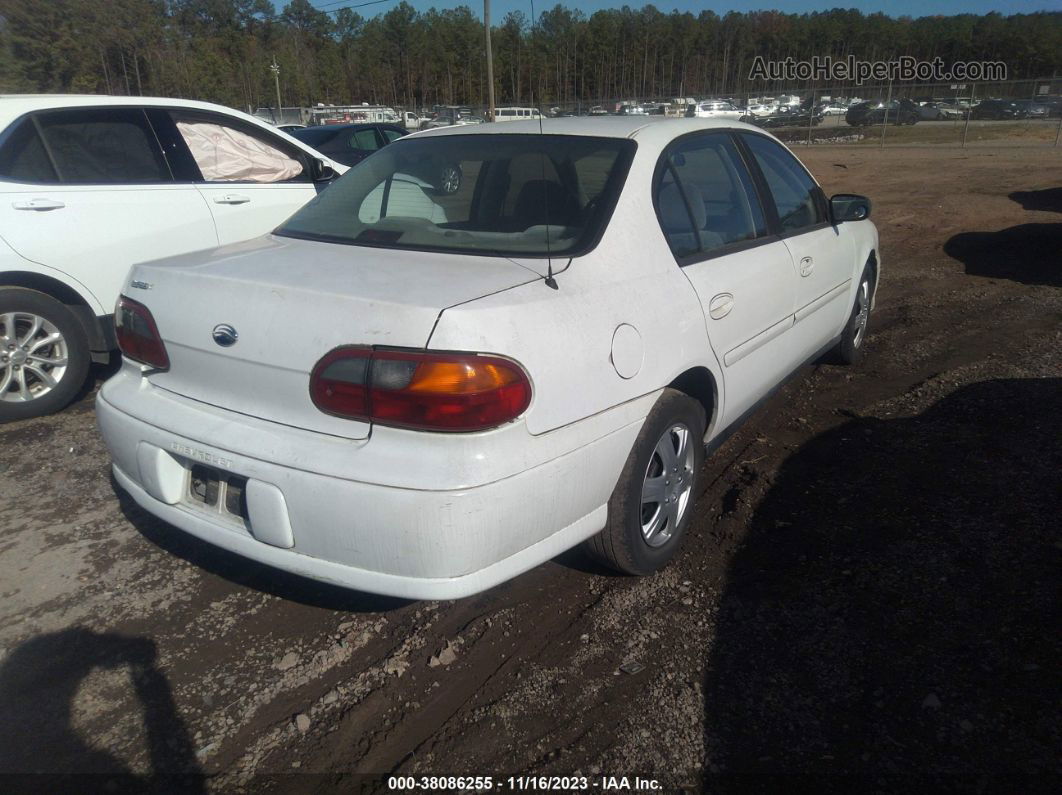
(420, 393)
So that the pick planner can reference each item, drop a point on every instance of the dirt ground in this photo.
(869, 596)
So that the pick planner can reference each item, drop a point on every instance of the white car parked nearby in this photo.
(715, 110)
(761, 109)
(91, 185)
(424, 395)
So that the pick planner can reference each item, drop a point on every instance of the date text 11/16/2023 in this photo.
(523, 783)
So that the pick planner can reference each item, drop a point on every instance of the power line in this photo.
(337, 2)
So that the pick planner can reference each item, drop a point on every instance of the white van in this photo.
(517, 114)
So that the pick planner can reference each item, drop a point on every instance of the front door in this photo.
(823, 255)
(251, 179)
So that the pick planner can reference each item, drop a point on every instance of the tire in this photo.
(44, 358)
(850, 349)
(624, 544)
(450, 177)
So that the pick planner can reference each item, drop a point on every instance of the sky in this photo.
(895, 8)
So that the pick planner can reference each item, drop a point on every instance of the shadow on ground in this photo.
(892, 619)
(39, 682)
(245, 572)
(1028, 253)
(1048, 199)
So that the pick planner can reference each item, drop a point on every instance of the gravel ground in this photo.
(869, 596)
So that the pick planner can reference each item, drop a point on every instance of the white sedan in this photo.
(425, 394)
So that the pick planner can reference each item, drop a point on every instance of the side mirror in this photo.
(322, 171)
(849, 207)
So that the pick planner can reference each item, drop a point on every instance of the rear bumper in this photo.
(419, 543)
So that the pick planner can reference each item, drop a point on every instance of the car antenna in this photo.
(550, 281)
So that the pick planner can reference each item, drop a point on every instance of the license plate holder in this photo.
(219, 492)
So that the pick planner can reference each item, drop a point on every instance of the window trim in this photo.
(33, 117)
(818, 195)
(664, 164)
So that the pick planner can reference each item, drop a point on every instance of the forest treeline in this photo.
(220, 50)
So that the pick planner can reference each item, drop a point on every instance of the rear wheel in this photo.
(652, 504)
(44, 355)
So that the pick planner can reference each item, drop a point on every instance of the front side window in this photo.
(706, 176)
(527, 195)
(796, 196)
(103, 146)
(225, 153)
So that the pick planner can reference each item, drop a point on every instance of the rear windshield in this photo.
(526, 195)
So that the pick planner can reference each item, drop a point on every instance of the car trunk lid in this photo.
(289, 302)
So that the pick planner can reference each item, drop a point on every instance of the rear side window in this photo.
(391, 135)
(796, 196)
(23, 158)
(103, 146)
(706, 177)
(364, 140)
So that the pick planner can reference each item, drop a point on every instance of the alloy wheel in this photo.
(667, 485)
(33, 357)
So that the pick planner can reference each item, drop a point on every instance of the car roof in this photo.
(15, 105)
(651, 130)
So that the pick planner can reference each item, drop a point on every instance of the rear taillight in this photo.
(425, 391)
(138, 336)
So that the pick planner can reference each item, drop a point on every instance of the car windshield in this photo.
(521, 195)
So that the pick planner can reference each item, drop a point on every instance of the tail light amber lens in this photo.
(424, 391)
(138, 336)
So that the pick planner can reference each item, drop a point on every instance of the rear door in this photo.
(824, 255)
(251, 179)
(89, 192)
(712, 216)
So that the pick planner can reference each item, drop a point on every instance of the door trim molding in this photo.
(735, 355)
(821, 301)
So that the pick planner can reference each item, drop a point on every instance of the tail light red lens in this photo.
(425, 391)
(138, 336)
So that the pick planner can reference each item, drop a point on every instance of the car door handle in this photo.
(38, 204)
(807, 265)
(232, 198)
(720, 306)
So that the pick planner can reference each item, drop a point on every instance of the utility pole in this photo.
(490, 61)
(275, 69)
